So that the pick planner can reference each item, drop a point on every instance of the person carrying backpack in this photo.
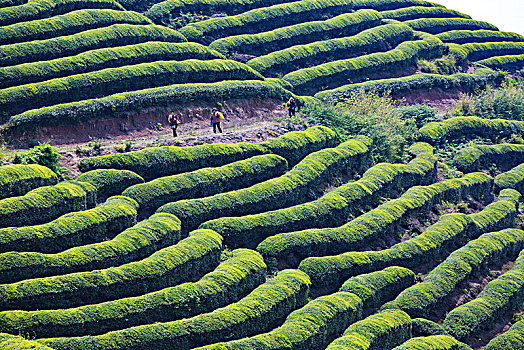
(173, 123)
(216, 118)
(291, 107)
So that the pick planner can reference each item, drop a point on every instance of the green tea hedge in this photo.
(506, 293)
(266, 42)
(265, 305)
(292, 247)
(439, 25)
(450, 230)
(154, 162)
(117, 105)
(339, 72)
(477, 157)
(67, 24)
(311, 327)
(477, 36)
(228, 283)
(264, 19)
(421, 298)
(509, 62)
(416, 12)
(509, 340)
(436, 342)
(205, 182)
(481, 51)
(382, 331)
(46, 203)
(15, 342)
(110, 182)
(511, 179)
(376, 39)
(93, 39)
(481, 78)
(33, 10)
(108, 81)
(18, 179)
(271, 194)
(99, 59)
(329, 210)
(70, 230)
(377, 288)
(182, 262)
(422, 327)
(134, 243)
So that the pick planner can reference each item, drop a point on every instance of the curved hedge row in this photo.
(113, 80)
(478, 36)
(513, 178)
(70, 230)
(510, 62)
(356, 233)
(303, 33)
(135, 243)
(265, 305)
(435, 342)
(110, 182)
(415, 12)
(417, 82)
(439, 25)
(372, 40)
(481, 156)
(47, 203)
(279, 192)
(115, 35)
(154, 162)
(481, 51)
(421, 298)
(499, 296)
(422, 327)
(17, 179)
(404, 55)
(381, 331)
(102, 59)
(450, 230)
(264, 19)
(33, 10)
(114, 105)
(377, 288)
(311, 327)
(67, 24)
(332, 208)
(184, 261)
(164, 11)
(205, 182)
(509, 340)
(228, 283)
(458, 127)
(14, 342)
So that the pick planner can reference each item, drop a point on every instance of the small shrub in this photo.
(419, 114)
(446, 65)
(46, 155)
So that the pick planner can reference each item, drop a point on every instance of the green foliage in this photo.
(188, 259)
(205, 182)
(439, 25)
(506, 102)
(67, 24)
(289, 189)
(376, 39)
(509, 62)
(43, 154)
(512, 339)
(415, 12)
(255, 313)
(358, 232)
(513, 178)
(370, 114)
(72, 229)
(481, 35)
(424, 328)
(228, 283)
(62, 46)
(110, 182)
(46, 203)
(420, 114)
(267, 42)
(449, 230)
(477, 157)
(12, 342)
(339, 72)
(17, 179)
(443, 66)
(435, 342)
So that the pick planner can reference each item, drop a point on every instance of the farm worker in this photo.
(173, 122)
(291, 107)
(216, 118)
